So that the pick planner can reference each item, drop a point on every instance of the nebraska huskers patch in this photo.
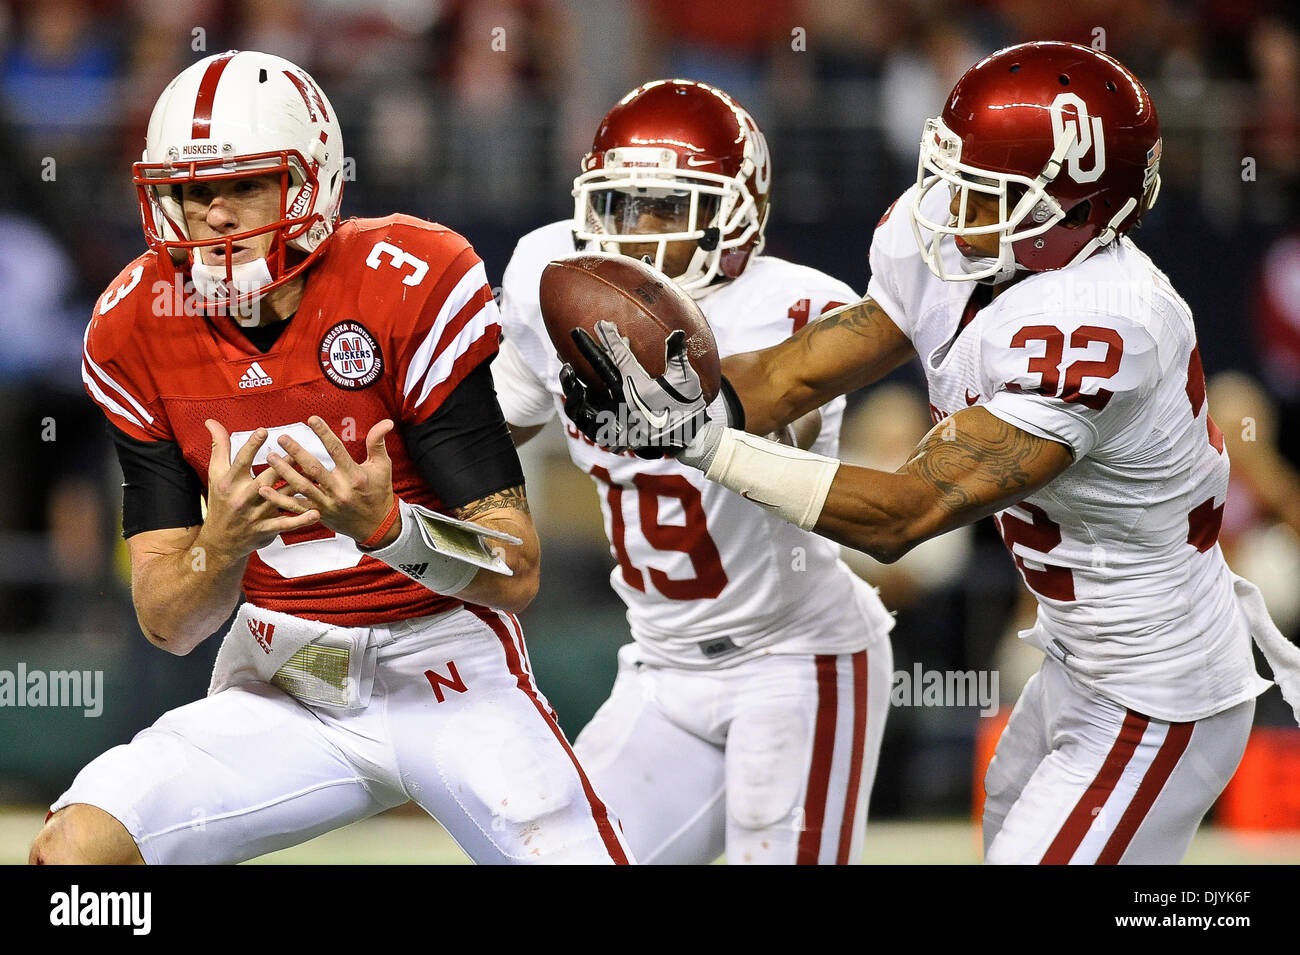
(350, 357)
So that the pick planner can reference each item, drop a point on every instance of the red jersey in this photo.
(394, 315)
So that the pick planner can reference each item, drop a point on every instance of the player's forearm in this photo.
(871, 511)
(972, 465)
(967, 467)
(848, 349)
(182, 598)
(516, 592)
(885, 515)
(505, 511)
(770, 397)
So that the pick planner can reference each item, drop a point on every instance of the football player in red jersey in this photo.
(1069, 400)
(325, 387)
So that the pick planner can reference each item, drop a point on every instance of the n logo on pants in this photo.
(438, 681)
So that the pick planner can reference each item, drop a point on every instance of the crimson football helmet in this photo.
(684, 151)
(231, 116)
(1063, 136)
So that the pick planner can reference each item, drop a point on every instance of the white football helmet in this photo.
(230, 116)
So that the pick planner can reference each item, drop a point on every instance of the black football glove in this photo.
(656, 415)
(589, 409)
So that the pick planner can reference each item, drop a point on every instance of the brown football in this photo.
(580, 290)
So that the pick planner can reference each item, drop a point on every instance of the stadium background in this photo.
(475, 114)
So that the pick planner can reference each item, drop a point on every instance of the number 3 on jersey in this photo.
(399, 259)
(315, 550)
(691, 538)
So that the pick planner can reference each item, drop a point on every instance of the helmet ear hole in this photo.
(1078, 215)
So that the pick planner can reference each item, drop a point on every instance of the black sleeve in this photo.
(159, 488)
(464, 450)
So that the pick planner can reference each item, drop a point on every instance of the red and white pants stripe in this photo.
(454, 722)
(1079, 779)
(770, 761)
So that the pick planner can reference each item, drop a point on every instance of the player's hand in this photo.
(656, 415)
(240, 520)
(590, 410)
(351, 498)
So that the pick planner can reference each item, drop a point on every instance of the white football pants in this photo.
(251, 769)
(1079, 779)
(771, 760)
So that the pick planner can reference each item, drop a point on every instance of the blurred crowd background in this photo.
(475, 113)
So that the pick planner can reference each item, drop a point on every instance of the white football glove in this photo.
(654, 415)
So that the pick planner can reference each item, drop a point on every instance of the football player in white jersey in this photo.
(1069, 403)
(747, 714)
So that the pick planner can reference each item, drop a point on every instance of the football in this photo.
(579, 290)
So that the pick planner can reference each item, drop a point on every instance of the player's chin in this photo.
(639, 250)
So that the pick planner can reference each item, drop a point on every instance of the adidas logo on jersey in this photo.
(415, 571)
(262, 632)
(255, 377)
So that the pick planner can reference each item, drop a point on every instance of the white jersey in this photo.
(709, 578)
(1134, 596)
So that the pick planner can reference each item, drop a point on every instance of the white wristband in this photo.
(412, 554)
(788, 482)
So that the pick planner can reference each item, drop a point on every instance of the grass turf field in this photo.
(408, 837)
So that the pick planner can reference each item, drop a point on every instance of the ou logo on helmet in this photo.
(762, 161)
(1086, 133)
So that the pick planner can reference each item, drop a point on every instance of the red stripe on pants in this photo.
(1095, 796)
(855, 763)
(1162, 767)
(598, 811)
(814, 804)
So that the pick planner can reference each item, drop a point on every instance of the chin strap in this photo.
(1005, 273)
(244, 280)
(1107, 235)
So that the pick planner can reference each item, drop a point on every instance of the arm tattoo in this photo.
(861, 318)
(974, 467)
(510, 497)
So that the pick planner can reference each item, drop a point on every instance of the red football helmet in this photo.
(677, 150)
(1064, 136)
